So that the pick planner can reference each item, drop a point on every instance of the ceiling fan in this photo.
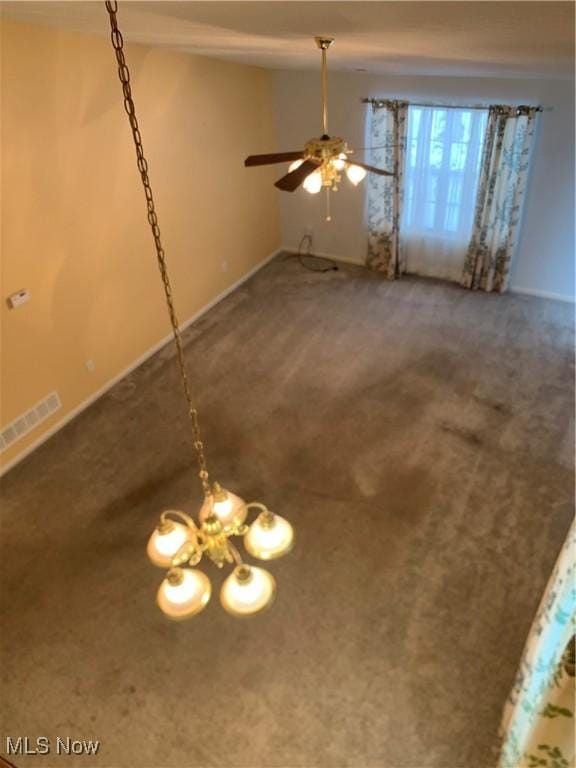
(321, 161)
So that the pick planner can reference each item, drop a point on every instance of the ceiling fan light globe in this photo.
(355, 174)
(293, 166)
(339, 162)
(313, 183)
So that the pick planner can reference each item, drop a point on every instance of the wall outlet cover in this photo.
(18, 298)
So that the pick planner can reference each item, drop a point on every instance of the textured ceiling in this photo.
(520, 39)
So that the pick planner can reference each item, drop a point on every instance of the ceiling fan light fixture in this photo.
(355, 173)
(313, 182)
(340, 162)
(329, 153)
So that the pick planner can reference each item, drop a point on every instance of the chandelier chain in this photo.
(124, 76)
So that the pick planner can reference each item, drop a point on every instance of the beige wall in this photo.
(74, 228)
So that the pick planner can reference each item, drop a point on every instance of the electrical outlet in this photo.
(224, 265)
(90, 366)
(18, 298)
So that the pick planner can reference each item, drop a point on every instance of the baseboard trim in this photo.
(541, 294)
(4, 468)
(513, 289)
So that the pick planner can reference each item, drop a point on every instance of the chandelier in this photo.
(179, 542)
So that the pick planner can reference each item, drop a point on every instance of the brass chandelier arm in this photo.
(235, 554)
(186, 519)
(257, 505)
(263, 509)
(124, 76)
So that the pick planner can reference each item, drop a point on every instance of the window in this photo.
(443, 153)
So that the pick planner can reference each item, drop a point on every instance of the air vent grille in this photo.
(29, 420)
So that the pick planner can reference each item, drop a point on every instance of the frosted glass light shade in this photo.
(355, 174)
(313, 183)
(269, 537)
(183, 593)
(338, 162)
(227, 507)
(294, 165)
(165, 541)
(247, 590)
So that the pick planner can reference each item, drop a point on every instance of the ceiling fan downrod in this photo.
(324, 43)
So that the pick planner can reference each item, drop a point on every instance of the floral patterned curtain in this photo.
(503, 177)
(388, 137)
(538, 721)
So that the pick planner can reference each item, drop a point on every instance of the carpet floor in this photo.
(418, 437)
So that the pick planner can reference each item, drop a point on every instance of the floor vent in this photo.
(29, 420)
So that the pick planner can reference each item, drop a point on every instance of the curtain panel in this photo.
(538, 721)
(502, 186)
(385, 193)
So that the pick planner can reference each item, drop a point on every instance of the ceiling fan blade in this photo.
(371, 168)
(370, 149)
(276, 157)
(292, 180)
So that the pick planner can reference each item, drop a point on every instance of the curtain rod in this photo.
(450, 106)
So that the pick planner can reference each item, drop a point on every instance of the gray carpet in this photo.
(416, 434)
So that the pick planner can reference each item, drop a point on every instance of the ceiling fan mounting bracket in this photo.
(324, 42)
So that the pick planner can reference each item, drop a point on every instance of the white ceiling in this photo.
(515, 39)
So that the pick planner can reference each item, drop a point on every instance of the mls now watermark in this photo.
(62, 745)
